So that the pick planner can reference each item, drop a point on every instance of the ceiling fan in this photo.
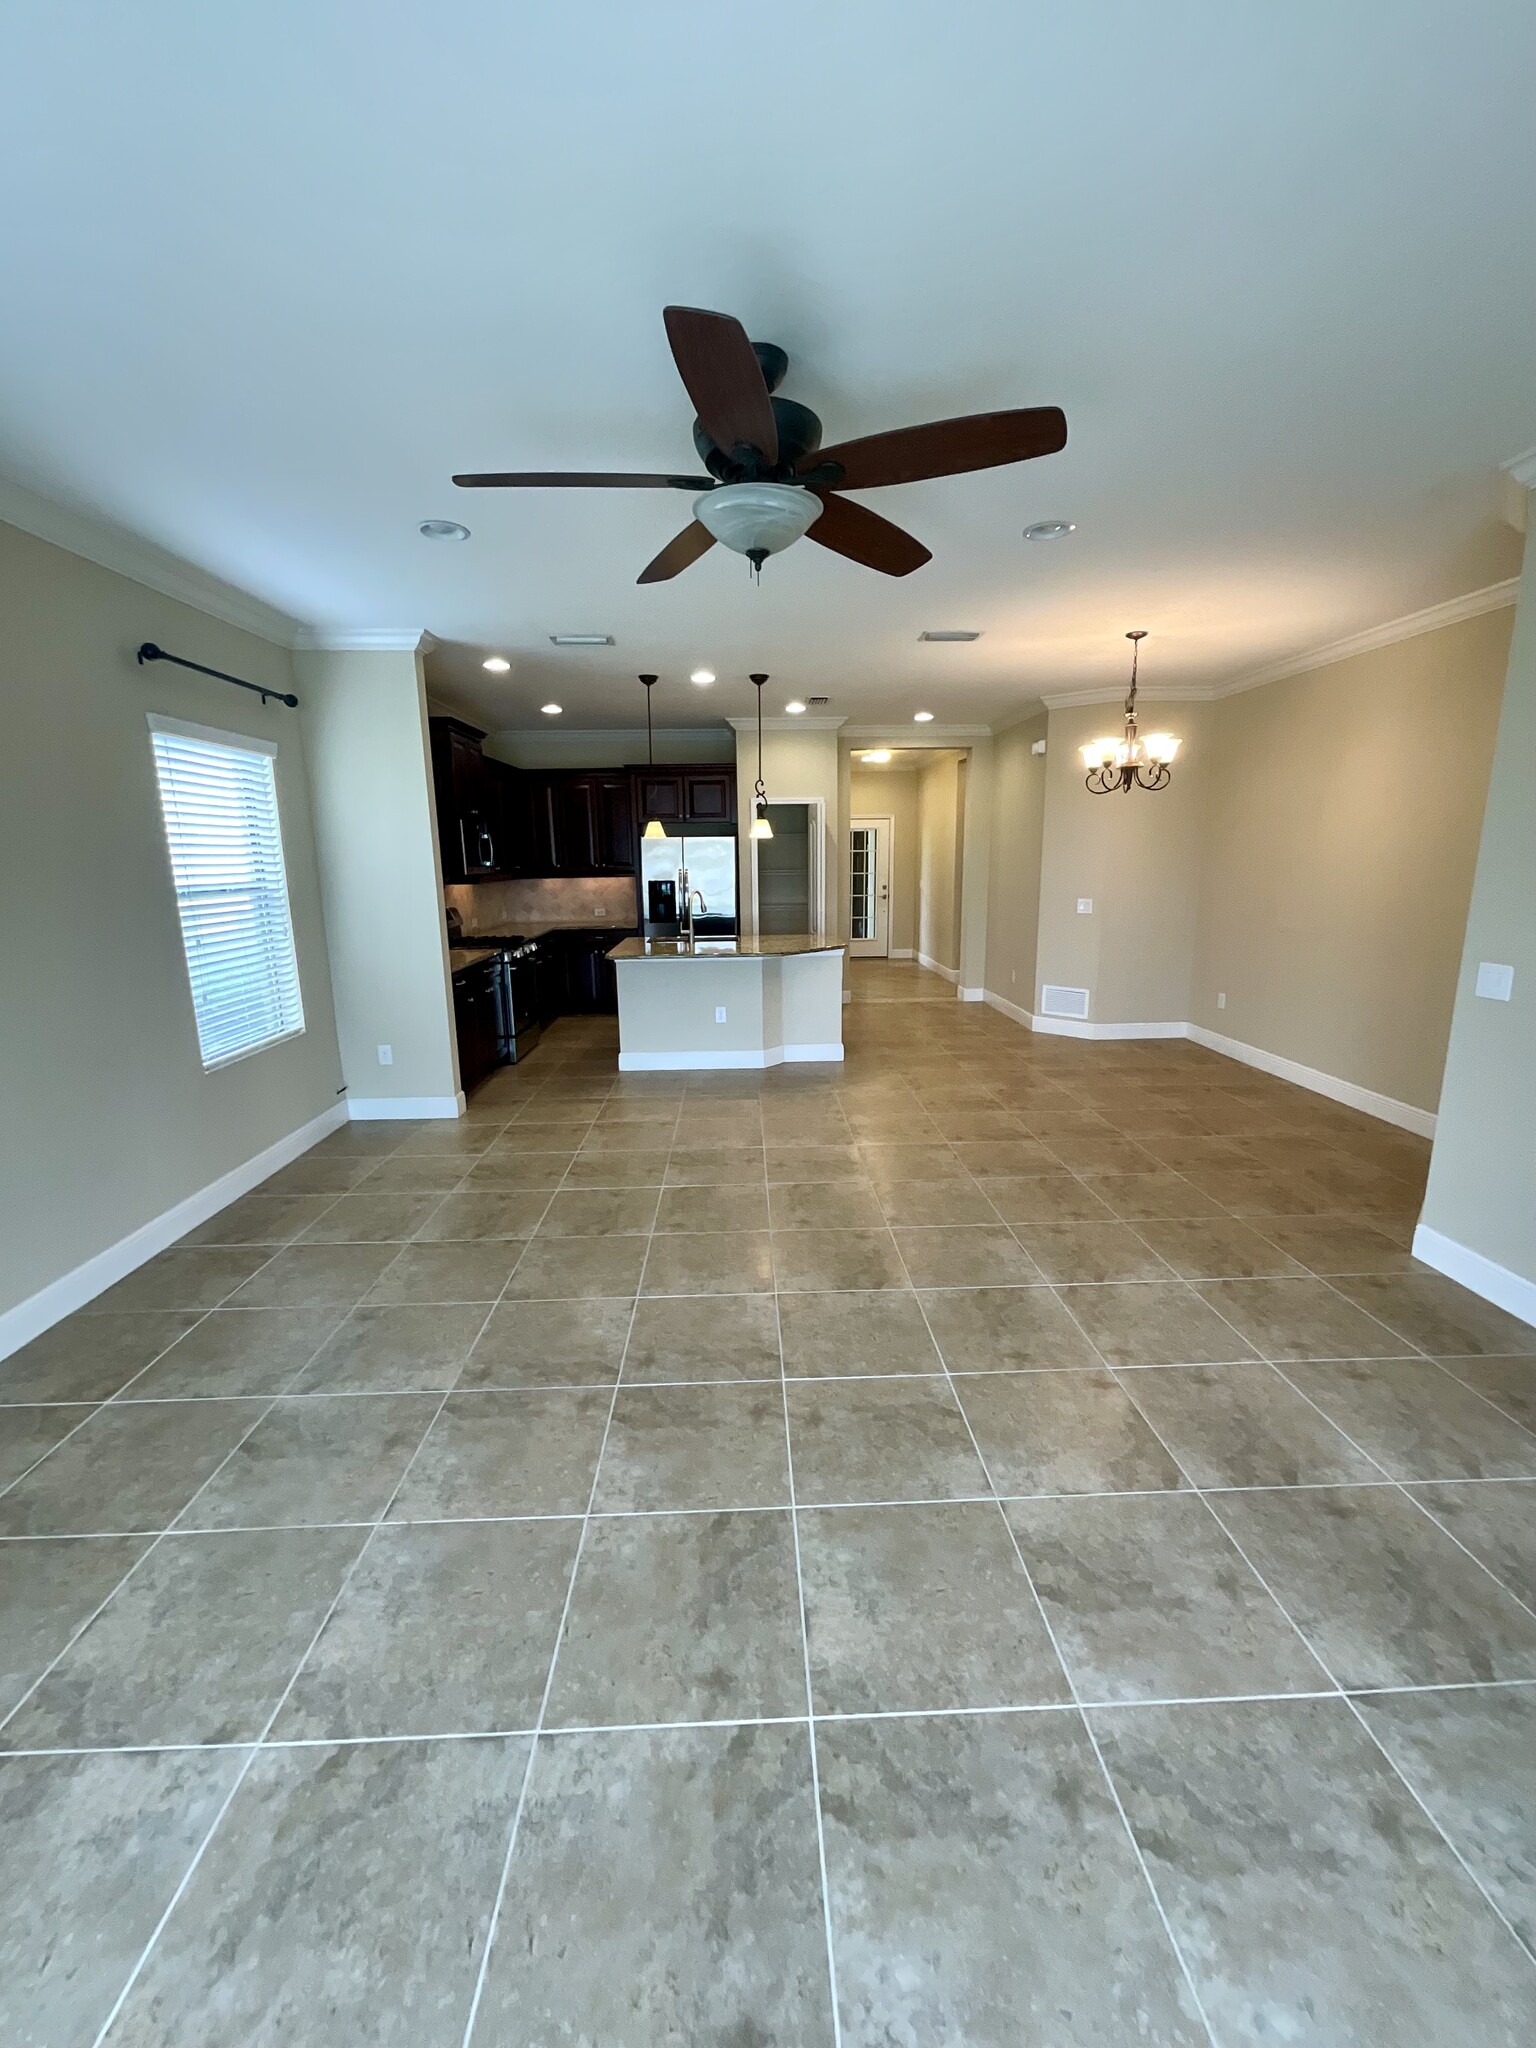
(770, 480)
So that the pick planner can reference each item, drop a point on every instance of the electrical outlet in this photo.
(1085, 906)
(386, 1055)
(1221, 1001)
(720, 1014)
(1495, 981)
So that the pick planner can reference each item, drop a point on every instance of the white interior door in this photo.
(869, 889)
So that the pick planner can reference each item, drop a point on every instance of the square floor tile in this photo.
(1311, 1897)
(320, 1458)
(1243, 1425)
(1137, 1196)
(826, 1205)
(789, 1165)
(1152, 1323)
(132, 1466)
(921, 1607)
(393, 1350)
(261, 1219)
(665, 1889)
(1215, 1250)
(308, 1921)
(27, 1434)
(715, 1166)
(1381, 1593)
(934, 1202)
(973, 1865)
(482, 1215)
(1046, 1198)
(550, 1344)
(499, 1171)
(832, 1335)
(710, 1208)
(370, 1219)
(1339, 1244)
(184, 1279)
(703, 1337)
(617, 1170)
(1299, 1319)
(1149, 1599)
(196, 1646)
(1471, 1757)
(709, 1262)
(881, 1439)
(1496, 1522)
(1437, 1316)
(695, 1447)
(528, 1453)
(897, 1165)
(599, 1212)
(1000, 1329)
(444, 1628)
(1509, 1383)
(88, 1357)
(682, 1618)
(1417, 1421)
(48, 1588)
(1090, 1251)
(315, 1275)
(572, 1268)
(237, 1351)
(447, 1273)
(1063, 1432)
(965, 1255)
(814, 1261)
(95, 1848)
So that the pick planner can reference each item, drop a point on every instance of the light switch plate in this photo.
(720, 1014)
(386, 1055)
(1495, 981)
(1085, 906)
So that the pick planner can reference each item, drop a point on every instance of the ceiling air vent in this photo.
(814, 701)
(1063, 1002)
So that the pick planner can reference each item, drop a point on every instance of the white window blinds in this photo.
(219, 797)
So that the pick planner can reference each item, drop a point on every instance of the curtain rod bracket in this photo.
(150, 652)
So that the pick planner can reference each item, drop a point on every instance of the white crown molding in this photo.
(363, 640)
(748, 723)
(601, 736)
(1471, 605)
(908, 736)
(127, 554)
(1522, 468)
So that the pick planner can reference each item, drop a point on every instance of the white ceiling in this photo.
(276, 271)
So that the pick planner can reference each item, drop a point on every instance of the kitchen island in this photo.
(744, 1002)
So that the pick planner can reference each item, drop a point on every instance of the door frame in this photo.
(816, 828)
(888, 842)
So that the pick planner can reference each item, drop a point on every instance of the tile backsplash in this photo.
(503, 906)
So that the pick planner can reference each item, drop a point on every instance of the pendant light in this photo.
(1132, 762)
(654, 828)
(762, 827)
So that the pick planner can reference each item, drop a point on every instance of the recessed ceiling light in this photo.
(950, 633)
(701, 676)
(496, 664)
(1050, 529)
(550, 710)
(878, 755)
(794, 707)
(922, 718)
(442, 529)
(581, 639)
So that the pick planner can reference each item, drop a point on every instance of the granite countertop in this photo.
(764, 946)
(460, 957)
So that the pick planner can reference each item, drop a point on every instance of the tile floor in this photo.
(997, 1543)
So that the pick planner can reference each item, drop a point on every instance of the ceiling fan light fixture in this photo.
(581, 639)
(1050, 529)
(442, 529)
(757, 519)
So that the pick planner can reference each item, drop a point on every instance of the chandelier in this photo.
(1132, 762)
(762, 824)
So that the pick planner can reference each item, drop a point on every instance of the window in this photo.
(219, 797)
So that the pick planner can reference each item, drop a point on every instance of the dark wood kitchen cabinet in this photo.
(466, 826)
(615, 835)
(710, 795)
(476, 1023)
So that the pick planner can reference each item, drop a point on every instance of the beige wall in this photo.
(940, 825)
(365, 718)
(1482, 1176)
(1137, 857)
(1018, 826)
(892, 793)
(107, 1118)
(1344, 808)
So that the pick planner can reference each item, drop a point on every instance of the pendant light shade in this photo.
(654, 828)
(762, 826)
(1135, 761)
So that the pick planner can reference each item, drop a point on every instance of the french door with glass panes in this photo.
(869, 889)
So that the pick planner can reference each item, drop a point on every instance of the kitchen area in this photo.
(546, 871)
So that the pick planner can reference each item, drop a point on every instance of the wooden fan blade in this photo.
(678, 554)
(723, 378)
(981, 440)
(578, 480)
(863, 536)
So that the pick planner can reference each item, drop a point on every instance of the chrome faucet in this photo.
(685, 922)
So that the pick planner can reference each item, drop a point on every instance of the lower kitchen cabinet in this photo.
(477, 1023)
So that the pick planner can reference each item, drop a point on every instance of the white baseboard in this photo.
(1386, 1107)
(937, 967)
(682, 1062)
(1495, 1283)
(1074, 1027)
(72, 1290)
(971, 995)
(901, 953)
(372, 1109)
(1019, 1016)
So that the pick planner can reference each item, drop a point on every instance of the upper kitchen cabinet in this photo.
(710, 795)
(615, 836)
(466, 821)
(660, 794)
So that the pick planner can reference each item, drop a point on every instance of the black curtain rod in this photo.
(150, 652)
